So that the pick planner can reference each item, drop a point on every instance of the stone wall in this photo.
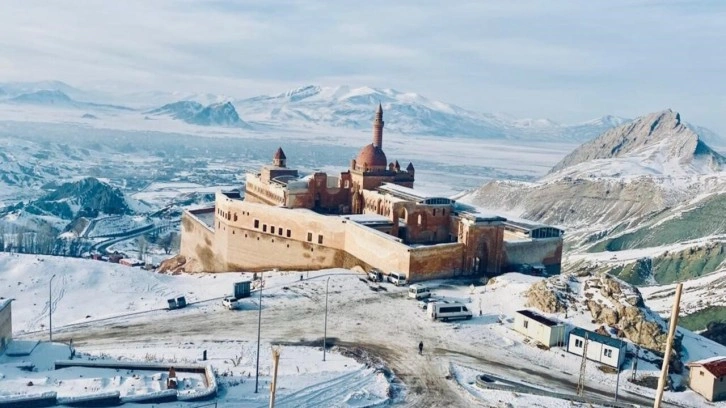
(546, 251)
(436, 261)
(198, 244)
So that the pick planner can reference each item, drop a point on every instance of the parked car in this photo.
(230, 302)
(417, 291)
(375, 275)
(424, 303)
(397, 278)
(447, 311)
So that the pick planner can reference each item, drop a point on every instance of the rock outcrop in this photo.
(178, 264)
(611, 303)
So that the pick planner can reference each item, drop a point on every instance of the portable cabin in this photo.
(603, 349)
(537, 327)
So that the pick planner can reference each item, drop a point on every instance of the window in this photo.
(235, 216)
(264, 227)
(434, 212)
(272, 229)
(289, 233)
(608, 353)
(525, 323)
(700, 372)
(279, 231)
(578, 343)
(420, 219)
(310, 237)
(320, 239)
(257, 224)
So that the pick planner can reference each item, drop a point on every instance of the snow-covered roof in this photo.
(597, 337)
(367, 219)
(4, 303)
(537, 317)
(409, 194)
(714, 365)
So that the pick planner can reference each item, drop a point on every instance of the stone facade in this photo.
(367, 216)
(6, 324)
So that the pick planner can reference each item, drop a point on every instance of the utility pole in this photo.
(669, 347)
(259, 323)
(617, 380)
(583, 365)
(50, 307)
(325, 330)
(637, 354)
(273, 387)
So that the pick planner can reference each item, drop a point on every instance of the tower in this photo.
(279, 159)
(378, 128)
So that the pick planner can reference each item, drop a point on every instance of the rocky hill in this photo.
(660, 143)
(216, 114)
(643, 201)
(87, 197)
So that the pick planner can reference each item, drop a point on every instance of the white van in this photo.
(417, 291)
(446, 311)
(397, 278)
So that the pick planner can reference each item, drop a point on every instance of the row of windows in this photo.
(310, 238)
(273, 230)
(579, 343)
(230, 216)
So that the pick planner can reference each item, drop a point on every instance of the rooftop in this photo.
(409, 194)
(537, 317)
(368, 219)
(714, 365)
(607, 340)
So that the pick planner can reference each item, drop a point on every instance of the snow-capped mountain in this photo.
(216, 114)
(408, 113)
(648, 165)
(658, 143)
(57, 98)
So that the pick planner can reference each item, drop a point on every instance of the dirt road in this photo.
(385, 325)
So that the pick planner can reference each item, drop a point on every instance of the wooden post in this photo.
(273, 387)
(669, 347)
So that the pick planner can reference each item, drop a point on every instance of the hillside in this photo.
(658, 143)
(216, 114)
(643, 202)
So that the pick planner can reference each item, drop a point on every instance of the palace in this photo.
(368, 216)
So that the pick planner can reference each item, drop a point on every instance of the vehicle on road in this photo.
(177, 303)
(424, 303)
(418, 291)
(397, 278)
(375, 275)
(230, 302)
(446, 311)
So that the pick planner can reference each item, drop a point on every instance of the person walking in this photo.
(420, 347)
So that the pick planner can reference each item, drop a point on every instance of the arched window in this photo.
(420, 219)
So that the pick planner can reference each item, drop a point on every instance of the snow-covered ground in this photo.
(361, 321)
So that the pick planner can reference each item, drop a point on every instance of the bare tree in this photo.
(142, 245)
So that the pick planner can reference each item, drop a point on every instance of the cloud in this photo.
(568, 60)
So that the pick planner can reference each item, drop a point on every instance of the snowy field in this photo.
(380, 328)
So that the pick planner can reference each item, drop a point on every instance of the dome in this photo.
(372, 157)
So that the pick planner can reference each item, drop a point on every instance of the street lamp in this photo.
(325, 330)
(259, 323)
(50, 307)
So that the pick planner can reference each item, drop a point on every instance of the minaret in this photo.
(378, 128)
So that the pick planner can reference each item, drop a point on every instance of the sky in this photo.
(565, 60)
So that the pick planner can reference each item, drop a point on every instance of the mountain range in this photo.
(315, 106)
